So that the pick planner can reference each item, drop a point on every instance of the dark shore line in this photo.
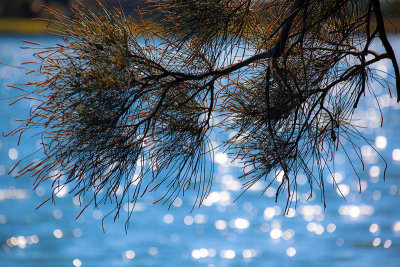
(27, 26)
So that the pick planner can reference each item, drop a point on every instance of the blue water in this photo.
(361, 230)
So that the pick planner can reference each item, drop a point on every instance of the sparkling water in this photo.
(361, 230)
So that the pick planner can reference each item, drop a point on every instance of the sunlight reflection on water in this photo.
(252, 230)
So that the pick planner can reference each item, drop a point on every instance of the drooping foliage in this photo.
(130, 106)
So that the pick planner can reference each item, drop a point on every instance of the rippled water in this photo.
(363, 230)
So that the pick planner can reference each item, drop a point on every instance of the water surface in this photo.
(363, 230)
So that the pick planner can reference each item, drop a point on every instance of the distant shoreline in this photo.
(23, 26)
(27, 26)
